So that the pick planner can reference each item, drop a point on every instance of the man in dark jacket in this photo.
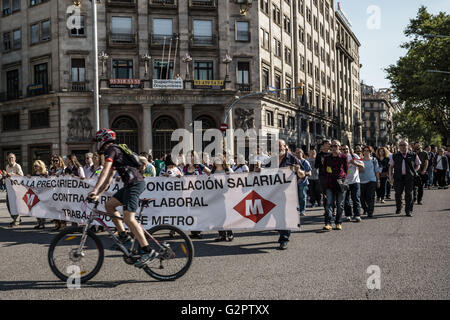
(403, 168)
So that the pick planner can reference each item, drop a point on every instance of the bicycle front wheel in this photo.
(176, 256)
(65, 261)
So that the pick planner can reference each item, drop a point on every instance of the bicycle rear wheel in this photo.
(64, 260)
(176, 257)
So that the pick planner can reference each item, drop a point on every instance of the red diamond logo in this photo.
(31, 199)
(254, 207)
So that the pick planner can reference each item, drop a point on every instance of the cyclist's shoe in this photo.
(126, 241)
(146, 258)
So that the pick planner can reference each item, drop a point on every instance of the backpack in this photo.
(132, 157)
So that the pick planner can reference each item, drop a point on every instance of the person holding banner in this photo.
(57, 169)
(302, 183)
(13, 169)
(195, 168)
(128, 196)
(287, 159)
(39, 170)
(220, 166)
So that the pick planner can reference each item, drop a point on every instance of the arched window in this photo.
(162, 133)
(127, 132)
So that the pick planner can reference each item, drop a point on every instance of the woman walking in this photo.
(39, 170)
(383, 162)
(195, 168)
(57, 169)
(370, 180)
(220, 166)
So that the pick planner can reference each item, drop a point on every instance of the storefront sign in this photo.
(167, 84)
(124, 83)
(209, 84)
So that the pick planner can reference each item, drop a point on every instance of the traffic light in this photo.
(300, 89)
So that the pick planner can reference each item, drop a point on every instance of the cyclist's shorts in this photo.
(129, 195)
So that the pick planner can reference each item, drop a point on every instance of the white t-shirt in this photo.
(353, 171)
(174, 172)
(242, 169)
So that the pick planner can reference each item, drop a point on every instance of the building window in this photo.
(276, 47)
(39, 119)
(265, 39)
(203, 70)
(276, 15)
(45, 30)
(301, 7)
(6, 7)
(278, 83)
(123, 69)
(301, 35)
(309, 41)
(288, 92)
(291, 123)
(302, 63)
(203, 31)
(36, 2)
(121, 29)
(17, 39)
(34, 33)
(304, 124)
(287, 24)
(269, 118)
(12, 84)
(162, 69)
(281, 121)
(78, 70)
(265, 79)
(11, 122)
(310, 72)
(264, 4)
(242, 31)
(287, 55)
(41, 77)
(243, 72)
(78, 32)
(162, 28)
(6, 41)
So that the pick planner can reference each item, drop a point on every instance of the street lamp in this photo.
(187, 59)
(146, 58)
(103, 56)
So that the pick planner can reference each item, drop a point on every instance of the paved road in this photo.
(413, 255)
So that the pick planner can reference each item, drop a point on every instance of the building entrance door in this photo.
(162, 134)
(127, 132)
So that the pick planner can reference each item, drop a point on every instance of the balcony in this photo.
(169, 4)
(38, 89)
(121, 3)
(10, 95)
(78, 86)
(122, 40)
(159, 40)
(244, 87)
(203, 41)
(203, 4)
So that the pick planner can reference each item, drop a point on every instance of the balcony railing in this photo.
(163, 3)
(244, 87)
(161, 39)
(121, 3)
(38, 89)
(203, 4)
(78, 86)
(203, 40)
(10, 95)
(122, 40)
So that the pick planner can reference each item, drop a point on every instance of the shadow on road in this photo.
(46, 285)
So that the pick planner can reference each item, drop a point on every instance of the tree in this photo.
(412, 125)
(425, 94)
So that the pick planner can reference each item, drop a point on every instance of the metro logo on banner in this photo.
(254, 207)
(31, 199)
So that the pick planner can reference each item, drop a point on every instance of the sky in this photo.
(381, 37)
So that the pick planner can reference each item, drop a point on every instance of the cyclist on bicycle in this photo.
(128, 196)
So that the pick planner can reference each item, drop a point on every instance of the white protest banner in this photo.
(265, 201)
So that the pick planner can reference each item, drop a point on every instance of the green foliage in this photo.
(425, 93)
(413, 125)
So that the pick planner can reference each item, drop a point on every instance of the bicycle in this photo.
(82, 248)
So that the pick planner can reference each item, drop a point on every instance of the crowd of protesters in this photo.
(344, 180)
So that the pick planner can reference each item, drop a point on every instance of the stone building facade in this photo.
(166, 64)
(378, 111)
